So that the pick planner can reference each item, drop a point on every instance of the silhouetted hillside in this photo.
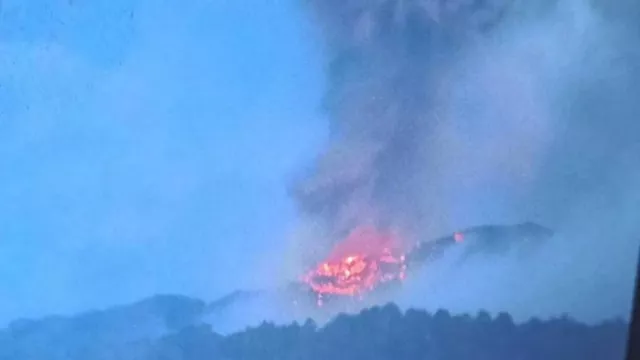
(102, 334)
(169, 328)
(387, 333)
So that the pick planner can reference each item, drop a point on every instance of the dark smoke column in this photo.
(384, 57)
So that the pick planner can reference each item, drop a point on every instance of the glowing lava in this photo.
(357, 265)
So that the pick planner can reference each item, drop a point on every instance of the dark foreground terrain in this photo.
(170, 328)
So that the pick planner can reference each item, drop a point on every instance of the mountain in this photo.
(171, 327)
(103, 334)
(385, 333)
(484, 239)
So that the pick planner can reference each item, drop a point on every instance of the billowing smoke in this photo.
(387, 58)
(446, 114)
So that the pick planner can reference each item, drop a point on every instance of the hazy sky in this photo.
(145, 145)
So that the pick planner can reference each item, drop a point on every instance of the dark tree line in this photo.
(171, 328)
(383, 333)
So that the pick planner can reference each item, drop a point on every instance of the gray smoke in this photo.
(437, 104)
(448, 114)
(386, 59)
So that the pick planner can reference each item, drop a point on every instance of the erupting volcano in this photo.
(366, 258)
(383, 104)
(369, 258)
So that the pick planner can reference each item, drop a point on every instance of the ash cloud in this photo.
(387, 57)
(448, 114)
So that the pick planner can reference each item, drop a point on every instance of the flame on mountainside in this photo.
(365, 259)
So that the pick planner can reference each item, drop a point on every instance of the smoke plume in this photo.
(437, 104)
(387, 58)
(446, 114)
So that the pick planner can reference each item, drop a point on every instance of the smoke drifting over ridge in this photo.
(387, 56)
(447, 114)
(434, 105)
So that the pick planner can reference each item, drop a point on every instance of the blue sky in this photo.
(145, 146)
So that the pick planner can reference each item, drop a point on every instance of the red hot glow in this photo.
(366, 258)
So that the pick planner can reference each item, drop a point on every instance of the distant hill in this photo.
(387, 333)
(103, 334)
(172, 328)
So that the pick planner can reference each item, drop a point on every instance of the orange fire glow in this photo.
(358, 264)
